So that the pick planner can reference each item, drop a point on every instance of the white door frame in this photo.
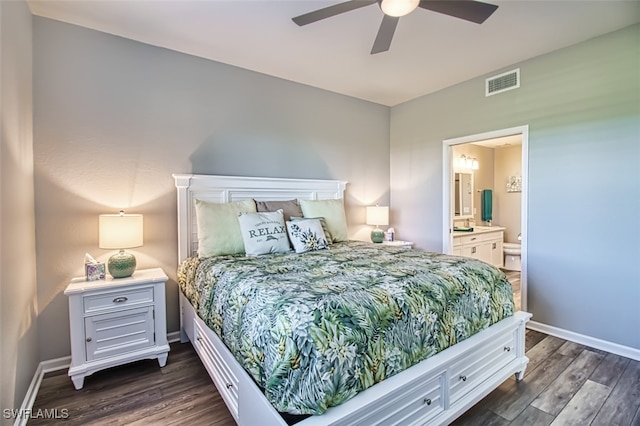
(447, 193)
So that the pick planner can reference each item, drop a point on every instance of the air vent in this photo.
(501, 83)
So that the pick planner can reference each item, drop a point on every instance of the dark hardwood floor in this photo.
(565, 384)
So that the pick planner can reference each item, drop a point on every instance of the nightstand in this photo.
(116, 321)
(403, 244)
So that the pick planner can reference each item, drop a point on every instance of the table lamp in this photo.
(120, 231)
(377, 216)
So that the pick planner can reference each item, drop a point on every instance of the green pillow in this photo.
(333, 213)
(218, 227)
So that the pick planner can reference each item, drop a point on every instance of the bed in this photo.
(436, 390)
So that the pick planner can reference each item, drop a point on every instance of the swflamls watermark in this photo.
(40, 413)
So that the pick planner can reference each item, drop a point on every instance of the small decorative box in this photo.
(94, 271)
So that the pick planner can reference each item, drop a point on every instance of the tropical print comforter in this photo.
(314, 329)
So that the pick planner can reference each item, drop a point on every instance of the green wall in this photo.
(18, 305)
(582, 105)
(114, 118)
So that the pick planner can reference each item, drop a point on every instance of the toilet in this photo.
(511, 256)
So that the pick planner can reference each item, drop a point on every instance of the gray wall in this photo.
(18, 308)
(582, 105)
(114, 118)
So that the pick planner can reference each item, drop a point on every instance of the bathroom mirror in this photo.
(463, 196)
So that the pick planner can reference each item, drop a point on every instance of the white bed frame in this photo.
(435, 391)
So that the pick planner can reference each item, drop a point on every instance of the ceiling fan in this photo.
(469, 10)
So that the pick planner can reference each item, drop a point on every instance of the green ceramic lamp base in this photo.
(377, 235)
(122, 264)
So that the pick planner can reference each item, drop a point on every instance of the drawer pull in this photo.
(473, 249)
(88, 339)
(120, 300)
(507, 349)
(473, 239)
(229, 385)
(427, 401)
(493, 246)
(463, 378)
(199, 339)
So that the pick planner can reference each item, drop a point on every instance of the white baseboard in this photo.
(30, 397)
(43, 368)
(54, 365)
(614, 348)
(173, 337)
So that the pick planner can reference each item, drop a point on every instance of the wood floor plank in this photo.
(480, 415)
(571, 349)
(542, 351)
(610, 370)
(558, 394)
(623, 404)
(584, 406)
(532, 339)
(531, 416)
(516, 396)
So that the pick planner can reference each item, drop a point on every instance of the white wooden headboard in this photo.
(225, 189)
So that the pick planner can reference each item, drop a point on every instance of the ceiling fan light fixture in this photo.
(397, 8)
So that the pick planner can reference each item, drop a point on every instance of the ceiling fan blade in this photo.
(330, 11)
(385, 34)
(469, 10)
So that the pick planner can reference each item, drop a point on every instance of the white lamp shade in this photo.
(378, 215)
(120, 231)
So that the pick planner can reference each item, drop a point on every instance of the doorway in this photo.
(450, 166)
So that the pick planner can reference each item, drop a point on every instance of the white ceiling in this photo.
(429, 52)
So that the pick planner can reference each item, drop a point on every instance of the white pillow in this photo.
(218, 227)
(333, 213)
(323, 222)
(263, 233)
(306, 235)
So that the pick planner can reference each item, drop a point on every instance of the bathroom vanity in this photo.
(483, 243)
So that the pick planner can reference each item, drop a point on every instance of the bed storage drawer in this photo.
(467, 374)
(416, 405)
(226, 382)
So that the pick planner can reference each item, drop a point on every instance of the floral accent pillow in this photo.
(263, 233)
(306, 235)
(323, 222)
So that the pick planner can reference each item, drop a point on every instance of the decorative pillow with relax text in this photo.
(333, 213)
(263, 233)
(218, 228)
(306, 235)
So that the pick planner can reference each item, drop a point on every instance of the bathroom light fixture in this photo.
(377, 216)
(468, 163)
(397, 8)
(120, 231)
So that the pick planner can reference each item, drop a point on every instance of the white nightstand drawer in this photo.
(117, 299)
(119, 332)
